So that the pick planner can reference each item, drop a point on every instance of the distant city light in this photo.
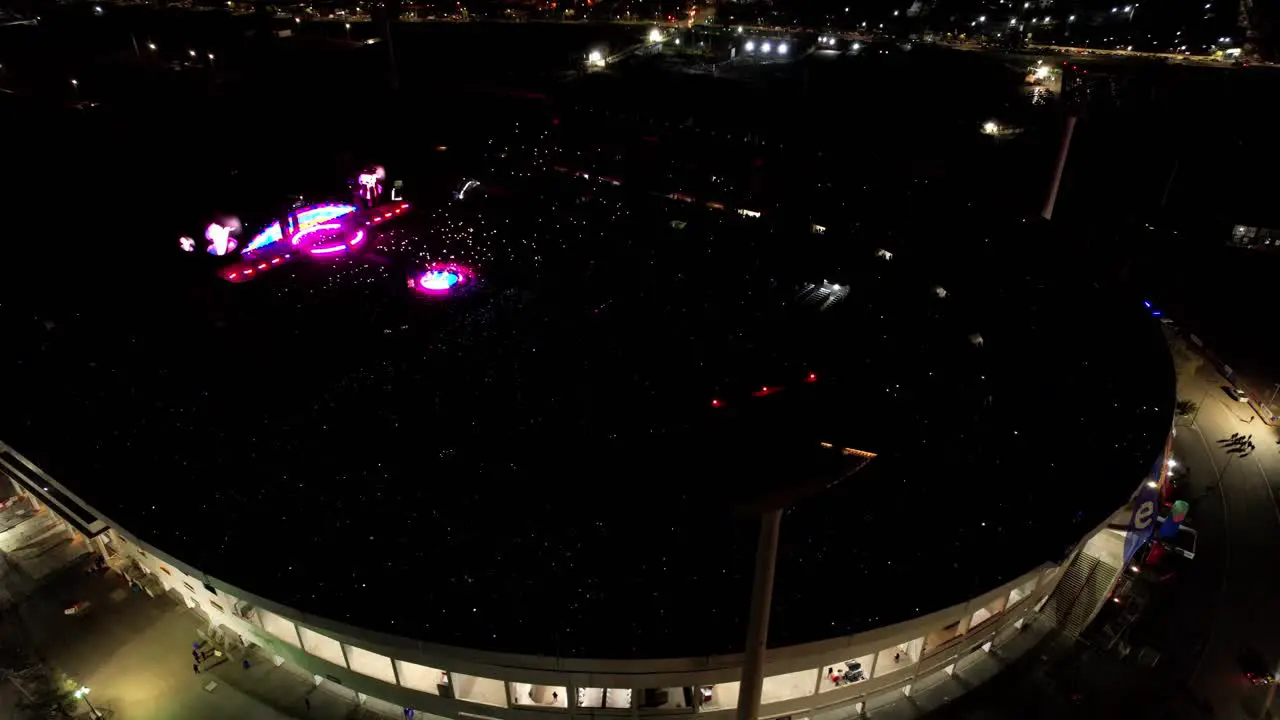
(857, 46)
(749, 46)
(765, 47)
(595, 57)
(655, 35)
(782, 48)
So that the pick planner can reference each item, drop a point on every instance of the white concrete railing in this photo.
(572, 673)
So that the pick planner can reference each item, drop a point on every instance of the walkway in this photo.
(135, 653)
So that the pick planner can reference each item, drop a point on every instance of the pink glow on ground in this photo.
(443, 279)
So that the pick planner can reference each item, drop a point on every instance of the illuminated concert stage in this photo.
(320, 232)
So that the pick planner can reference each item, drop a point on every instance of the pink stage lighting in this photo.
(314, 229)
(220, 240)
(443, 279)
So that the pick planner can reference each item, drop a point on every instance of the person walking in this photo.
(307, 701)
(195, 668)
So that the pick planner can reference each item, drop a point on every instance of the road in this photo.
(1243, 612)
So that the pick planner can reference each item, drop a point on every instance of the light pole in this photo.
(769, 507)
(212, 66)
(75, 86)
(348, 26)
(1196, 414)
(151, 46)
(83, 694)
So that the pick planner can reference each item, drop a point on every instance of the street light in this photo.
(82, 693)
(192, 53)
(151, 46)
(212, 66)
(348, 26)
(75, 85)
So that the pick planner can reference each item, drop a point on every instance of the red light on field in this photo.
(813, 377)
(715, 403)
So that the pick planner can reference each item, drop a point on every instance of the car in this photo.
(1183, 543)
(1237, 394)
(1255, 668)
